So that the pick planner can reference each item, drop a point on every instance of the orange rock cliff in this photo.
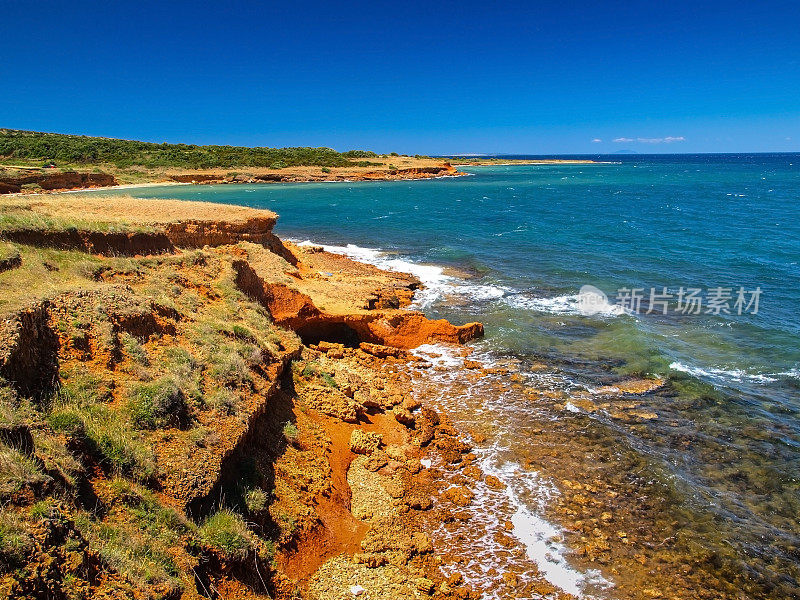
(195, 409)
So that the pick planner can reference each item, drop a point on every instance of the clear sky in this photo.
(412, 77)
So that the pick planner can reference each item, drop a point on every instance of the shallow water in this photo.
(703, 483)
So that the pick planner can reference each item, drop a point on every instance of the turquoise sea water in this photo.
(517, 243)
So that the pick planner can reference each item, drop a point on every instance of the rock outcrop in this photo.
(54, 180)
(225, 416)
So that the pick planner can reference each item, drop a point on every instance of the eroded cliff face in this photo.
(231, 421)
(291, 308)
(10, 184)
(442, 170)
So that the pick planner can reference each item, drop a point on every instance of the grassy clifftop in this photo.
(185, 401)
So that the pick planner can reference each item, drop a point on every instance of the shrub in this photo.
(229, 366)
(72, 149)
(359, 154)
(162, 522)
(80, 388)
(227, 532)
(242, 332)
(326, 170)
(329, 380)
(13, 410)
(40, 510)
(285, 522)
(204, 437)
(309, 370)
(158, 404)
(56, 459)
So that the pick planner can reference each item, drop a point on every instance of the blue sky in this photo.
(411, 77)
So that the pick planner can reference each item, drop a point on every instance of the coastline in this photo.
(413, 170)
(19, 180)
(350, 472)
(569, 517)
(473, 499)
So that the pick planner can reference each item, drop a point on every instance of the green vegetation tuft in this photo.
(227, 532)
(17, 471)
(15, 541)
(290, 431)
(143, 559)
(158, 404)
(256, 500)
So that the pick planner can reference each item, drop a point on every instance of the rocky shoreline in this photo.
(246, 381)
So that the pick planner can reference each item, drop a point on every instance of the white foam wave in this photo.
(524, 496)
(570, 304)
(436, 283)
(732, 375)
(439, 355)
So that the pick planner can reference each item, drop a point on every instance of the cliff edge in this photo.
(194, 409)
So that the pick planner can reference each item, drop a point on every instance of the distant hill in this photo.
(84, 150)
(625, 152)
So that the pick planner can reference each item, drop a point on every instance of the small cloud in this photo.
(788, 139)
(662, 140)
(596, 140)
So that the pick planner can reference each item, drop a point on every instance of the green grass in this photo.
(121, 449)
(142, 558)
(313, 370)
(228, 533)
(16, 472)
(14, 410)
(223, 402)
(230, 364)
(159, 404)
(108, 435)
(134, 349)
(17, 217)
(45, 272)
(151, 516)
(79, 410)
(8, 251)
(15, 541)
(57, 460)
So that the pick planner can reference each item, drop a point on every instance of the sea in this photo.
(640, 393)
